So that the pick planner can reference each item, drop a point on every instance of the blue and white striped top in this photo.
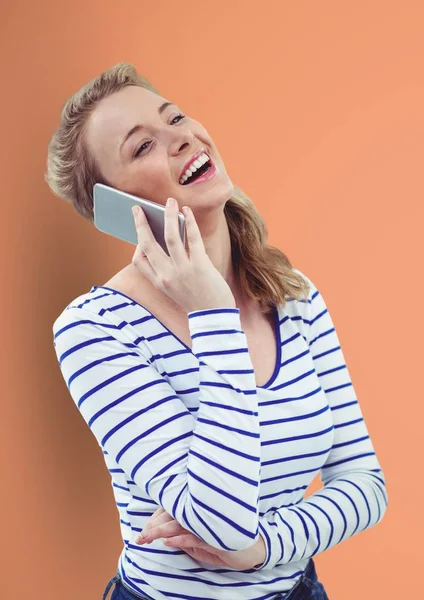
(190, 431)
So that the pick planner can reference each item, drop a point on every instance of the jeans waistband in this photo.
(309, 573)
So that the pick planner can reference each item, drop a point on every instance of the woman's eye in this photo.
(140, 149)
(179, 117)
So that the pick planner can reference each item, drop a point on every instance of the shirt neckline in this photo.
(276, 315)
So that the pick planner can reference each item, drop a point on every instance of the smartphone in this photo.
(113, 215)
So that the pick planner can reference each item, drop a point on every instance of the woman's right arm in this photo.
(203, 471)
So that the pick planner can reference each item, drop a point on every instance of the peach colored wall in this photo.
(318, 111)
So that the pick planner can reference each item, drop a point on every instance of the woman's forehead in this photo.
(121, 108)
(115, 115)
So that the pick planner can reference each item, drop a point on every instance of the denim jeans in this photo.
(306, 588)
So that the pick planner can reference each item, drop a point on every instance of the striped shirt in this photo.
(189, 430)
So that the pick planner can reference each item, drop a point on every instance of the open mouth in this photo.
(188, 178)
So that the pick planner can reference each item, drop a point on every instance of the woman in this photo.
(212, 378)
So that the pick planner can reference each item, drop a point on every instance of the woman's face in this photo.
(149, 162)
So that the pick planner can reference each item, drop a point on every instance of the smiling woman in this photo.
(212, 379)
(78, 160)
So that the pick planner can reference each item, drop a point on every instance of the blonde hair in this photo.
(265, 273)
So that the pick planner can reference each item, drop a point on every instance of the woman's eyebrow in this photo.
(136, 128)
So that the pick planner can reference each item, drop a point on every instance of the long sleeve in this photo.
(354, 496)
(197, 469)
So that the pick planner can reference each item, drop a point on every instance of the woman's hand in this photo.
(190, 280)
(162, 525)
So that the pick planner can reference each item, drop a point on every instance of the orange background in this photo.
(318, 110)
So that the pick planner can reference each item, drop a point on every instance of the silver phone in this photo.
(113, 215)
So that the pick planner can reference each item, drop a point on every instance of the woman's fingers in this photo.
(164, 530)
(207, 557)
(152, 519)
(187, 540)
(149, 257)
(195, 243)
(190, 281)
(156, 519)
(159, 511)
(172, 236)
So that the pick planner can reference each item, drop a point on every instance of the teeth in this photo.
(203, 158)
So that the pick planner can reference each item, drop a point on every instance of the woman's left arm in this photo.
(354, 496)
